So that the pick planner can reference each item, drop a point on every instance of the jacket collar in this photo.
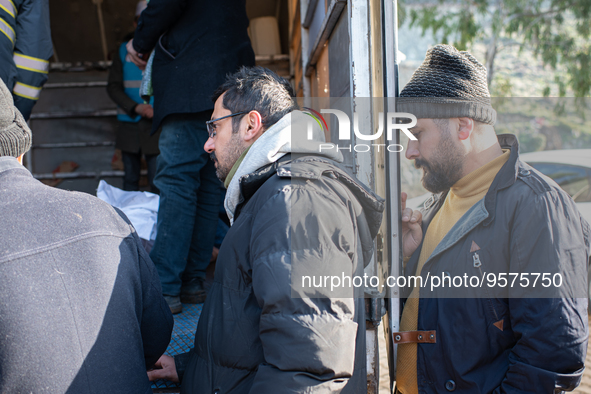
(506, 176)
(9, 163)
(250, 183)
(314, 167)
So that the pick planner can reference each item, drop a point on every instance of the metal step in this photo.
(75, 120)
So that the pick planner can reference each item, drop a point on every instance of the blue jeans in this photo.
(132, 163)
(189, 202)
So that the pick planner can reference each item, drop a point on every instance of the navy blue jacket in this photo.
(510, 339)
(81, 308)
(197, 44)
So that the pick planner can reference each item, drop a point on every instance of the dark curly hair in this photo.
(257, 89)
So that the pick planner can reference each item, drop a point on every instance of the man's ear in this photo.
(254, 126)
(466, 127)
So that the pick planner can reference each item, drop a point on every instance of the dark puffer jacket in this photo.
(253, 337)
(503, 340)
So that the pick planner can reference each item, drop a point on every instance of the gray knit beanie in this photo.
(449, 84)
(15, 135)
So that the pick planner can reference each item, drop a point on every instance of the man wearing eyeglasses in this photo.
(196, 43)
(294, 210)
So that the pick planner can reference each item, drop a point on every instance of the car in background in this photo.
(569, 168)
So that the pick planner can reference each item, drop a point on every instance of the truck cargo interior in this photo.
(74, 121)
(326, 48)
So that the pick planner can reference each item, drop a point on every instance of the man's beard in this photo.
(444, 169)
(230, 156)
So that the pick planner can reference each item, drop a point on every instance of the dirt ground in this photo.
(584, 387)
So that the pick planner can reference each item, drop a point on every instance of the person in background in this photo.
(82, 309)
(25, 50)
(196, 43)
(134, 115)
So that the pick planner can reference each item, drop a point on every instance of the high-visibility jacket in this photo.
(25, 49)
(132, 79)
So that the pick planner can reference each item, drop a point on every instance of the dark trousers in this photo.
(132, 164)
(189, 202)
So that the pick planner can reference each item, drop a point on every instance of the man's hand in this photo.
(144, 110)
(136, 58)
(412, 232)
(164, 369)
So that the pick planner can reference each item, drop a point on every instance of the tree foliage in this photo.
(557, 31)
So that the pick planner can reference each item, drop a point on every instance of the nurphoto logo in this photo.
(344, 127)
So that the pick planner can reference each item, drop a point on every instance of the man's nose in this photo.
(209, 145)
(412, 150)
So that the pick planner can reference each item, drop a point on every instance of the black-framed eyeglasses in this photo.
(211, 126)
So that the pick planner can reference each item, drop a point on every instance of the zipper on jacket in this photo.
(477, 263)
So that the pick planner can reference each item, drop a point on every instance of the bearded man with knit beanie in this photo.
(490, 212)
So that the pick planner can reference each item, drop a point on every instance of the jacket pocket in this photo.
(495, 310)
(169, 53)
